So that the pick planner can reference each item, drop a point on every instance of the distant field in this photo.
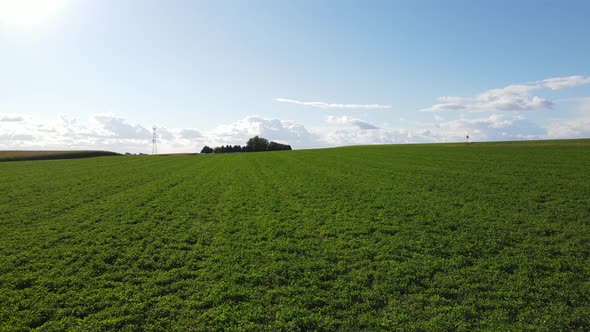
(44, 155)
(485, 236)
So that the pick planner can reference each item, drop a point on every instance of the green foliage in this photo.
(409, 238)
(206, 149)
(274, 146)
(254, 144)
(257, 144)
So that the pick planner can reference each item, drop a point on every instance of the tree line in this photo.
(254, 144)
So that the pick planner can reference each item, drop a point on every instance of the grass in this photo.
(407, 237)
(45, 155)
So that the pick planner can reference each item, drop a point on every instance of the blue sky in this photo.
(98, 74)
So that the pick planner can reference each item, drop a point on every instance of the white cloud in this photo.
(324, 105)
(577, 126)
(356, 136)
(109, 132)
(101, 131)
(509, 98)
(492, 128)
(347, 120)
(15, 137)
(11, 117)
(565, 82)
(120, 128)
(189, 134)
(282, 131)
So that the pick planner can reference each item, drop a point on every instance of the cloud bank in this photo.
(509, 98)
(106, 131)
(103, 131)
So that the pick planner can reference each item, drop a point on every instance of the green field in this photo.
(400, 237)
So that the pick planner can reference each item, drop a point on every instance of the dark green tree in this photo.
(207, 149)
(254, 144)
(274, 146)
(257, 144)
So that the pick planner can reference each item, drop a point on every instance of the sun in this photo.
(29, 12)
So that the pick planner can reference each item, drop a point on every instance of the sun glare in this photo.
(29, 12)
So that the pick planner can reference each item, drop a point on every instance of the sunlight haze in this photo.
(29, 12)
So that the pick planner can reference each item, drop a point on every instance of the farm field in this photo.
(394, 237)
(45, 155)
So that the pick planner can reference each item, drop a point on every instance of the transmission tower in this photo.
(154, 141)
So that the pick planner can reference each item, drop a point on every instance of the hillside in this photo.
(8, 155)
(395, 237)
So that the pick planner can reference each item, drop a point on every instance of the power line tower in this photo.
(154, 141)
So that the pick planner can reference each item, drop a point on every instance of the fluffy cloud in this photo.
(11, 117)
(509, 98)
(493, 127)
(15, 137)
(281, 131)
(189, 134)
(577, 126)
(102, 132)
(120, 128)
(109, 132)
(324, 105)
(347, 120)
(356, 136)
